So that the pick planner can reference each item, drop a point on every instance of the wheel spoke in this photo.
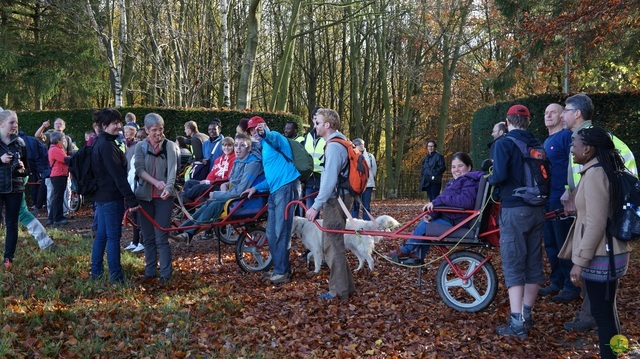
(473, 292)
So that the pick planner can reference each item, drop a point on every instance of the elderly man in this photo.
(558, 149)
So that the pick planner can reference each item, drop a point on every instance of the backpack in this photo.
(80, 167)
(627, 226)
(537, 173)
(355, 180)
(302, 160)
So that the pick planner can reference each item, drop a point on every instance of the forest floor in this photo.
(213, 309)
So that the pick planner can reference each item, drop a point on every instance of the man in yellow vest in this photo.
(577, 115)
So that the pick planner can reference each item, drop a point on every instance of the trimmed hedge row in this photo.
(79, 121)
(618, 113)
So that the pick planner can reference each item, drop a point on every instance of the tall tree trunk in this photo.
(354, 83)
(226, 87)
(249, 56)
(105, 41)
(283, 79)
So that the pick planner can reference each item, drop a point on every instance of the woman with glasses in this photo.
(156, 163)
(598, 197)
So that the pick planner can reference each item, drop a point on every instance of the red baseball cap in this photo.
(254, 121)
(518, 110)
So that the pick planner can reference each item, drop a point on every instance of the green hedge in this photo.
(79, 121)
(618, 113)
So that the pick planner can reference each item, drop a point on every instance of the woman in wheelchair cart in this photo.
(461, 192)
(219, 173)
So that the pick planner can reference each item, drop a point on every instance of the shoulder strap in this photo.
(282, 153)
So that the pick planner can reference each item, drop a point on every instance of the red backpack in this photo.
(358, 172)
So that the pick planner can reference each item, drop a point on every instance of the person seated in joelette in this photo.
(219, 173)
(247, 169)
(461, 191)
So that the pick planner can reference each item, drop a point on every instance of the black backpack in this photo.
(627, 226)
(537, 174)
(80, 167)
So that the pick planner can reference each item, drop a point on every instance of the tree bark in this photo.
(249, 57)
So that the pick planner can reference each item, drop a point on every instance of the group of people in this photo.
(585, 161)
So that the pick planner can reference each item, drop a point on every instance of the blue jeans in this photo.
(420, 230)
(309, 201)
(555, 234)
(366, 202)
(11, 202)
(279, 230)
(108, 234)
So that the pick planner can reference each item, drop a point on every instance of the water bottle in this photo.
(626, 225)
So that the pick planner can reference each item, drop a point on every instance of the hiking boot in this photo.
(512, 330)
(547, 291)
(8, 264)
(395, 255)
(579, 325)
(565, 297)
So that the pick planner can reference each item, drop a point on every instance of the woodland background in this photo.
(398, 72)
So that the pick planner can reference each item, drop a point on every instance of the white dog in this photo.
(361, 245)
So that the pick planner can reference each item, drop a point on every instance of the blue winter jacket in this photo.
(277, 169)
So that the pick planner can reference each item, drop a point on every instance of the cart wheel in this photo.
(252, 250)
(75, 202)
(226, 234)
(472, 295)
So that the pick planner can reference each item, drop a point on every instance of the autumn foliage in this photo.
(50, 308)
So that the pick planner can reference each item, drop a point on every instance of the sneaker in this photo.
(8, 264)
(579, 325)
(62, 222)
(130, 247)
(547, 291)
(326, 295)
(139, 248)
(512, 330)
(565, 297)
(280, 278)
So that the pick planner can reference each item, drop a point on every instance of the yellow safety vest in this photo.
(315, 150)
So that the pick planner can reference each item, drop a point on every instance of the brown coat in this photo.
(587, 237)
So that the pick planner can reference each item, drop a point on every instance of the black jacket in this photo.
(110, 168)
(508, 166)
(432, 169)
(12, 181)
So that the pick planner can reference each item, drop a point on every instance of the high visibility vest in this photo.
(316, 150)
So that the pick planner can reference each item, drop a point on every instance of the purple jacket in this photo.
(461, 192)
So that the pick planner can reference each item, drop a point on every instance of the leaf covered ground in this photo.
(50, 308)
